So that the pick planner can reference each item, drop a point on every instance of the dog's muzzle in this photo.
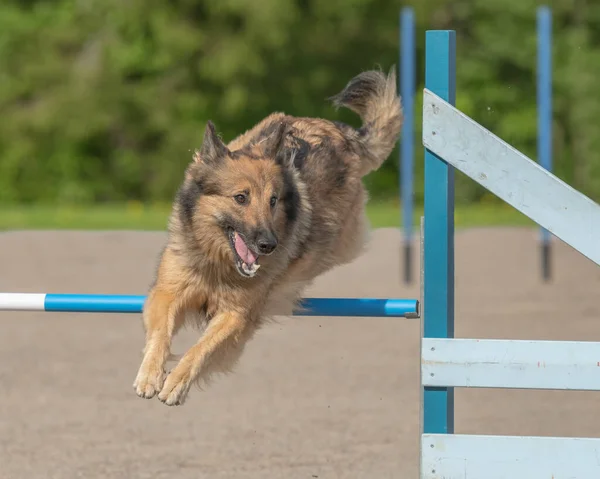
(266, 242)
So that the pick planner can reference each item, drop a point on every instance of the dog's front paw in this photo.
(175, 390)
(149, 381)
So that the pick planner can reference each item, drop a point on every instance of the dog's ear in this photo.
(213, 150)
(273, 146)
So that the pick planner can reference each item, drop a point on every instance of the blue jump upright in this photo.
(407, 92)
(544, 116)
(438, 281)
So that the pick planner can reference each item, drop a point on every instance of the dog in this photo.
(254, 222)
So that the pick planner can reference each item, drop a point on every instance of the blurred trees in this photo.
(102, 100)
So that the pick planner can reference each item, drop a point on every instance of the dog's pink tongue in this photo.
(247, 256)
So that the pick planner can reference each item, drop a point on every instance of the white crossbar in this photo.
(494, 363)
(455, 456)
(512, 176)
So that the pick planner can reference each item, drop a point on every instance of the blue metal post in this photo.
(407, 86)
(544, 109)
(438, 288)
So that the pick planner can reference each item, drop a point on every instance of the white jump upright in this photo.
(452, 140)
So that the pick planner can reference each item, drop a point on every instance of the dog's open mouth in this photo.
(246, 260)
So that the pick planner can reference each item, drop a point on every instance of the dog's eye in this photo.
(273, 201)
(241, 199)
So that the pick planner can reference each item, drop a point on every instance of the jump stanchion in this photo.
(107, 303)
(453, 140)
(544, 112)
(407, 91)
(438, 241)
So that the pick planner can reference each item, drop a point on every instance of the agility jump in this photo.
(454, 141)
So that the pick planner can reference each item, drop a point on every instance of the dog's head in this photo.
(239, 205)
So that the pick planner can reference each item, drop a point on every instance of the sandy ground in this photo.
(313, 397)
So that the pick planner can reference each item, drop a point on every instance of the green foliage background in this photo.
(104, 100)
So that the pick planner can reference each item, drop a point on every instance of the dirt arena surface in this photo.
(312, 398)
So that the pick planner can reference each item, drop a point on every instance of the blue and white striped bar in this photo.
(106, 303)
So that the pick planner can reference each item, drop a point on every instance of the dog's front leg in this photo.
(220, 345)
(162, 317)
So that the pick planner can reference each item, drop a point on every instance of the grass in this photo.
(134, 216)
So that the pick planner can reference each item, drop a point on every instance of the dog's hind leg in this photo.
(218, 348)
(162, 316)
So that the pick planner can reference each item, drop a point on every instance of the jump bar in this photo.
(107, 303)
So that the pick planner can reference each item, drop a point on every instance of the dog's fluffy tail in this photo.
(373, 96)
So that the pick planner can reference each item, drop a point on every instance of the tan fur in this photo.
(301, 186)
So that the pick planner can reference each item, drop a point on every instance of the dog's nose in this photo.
(266, 242)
